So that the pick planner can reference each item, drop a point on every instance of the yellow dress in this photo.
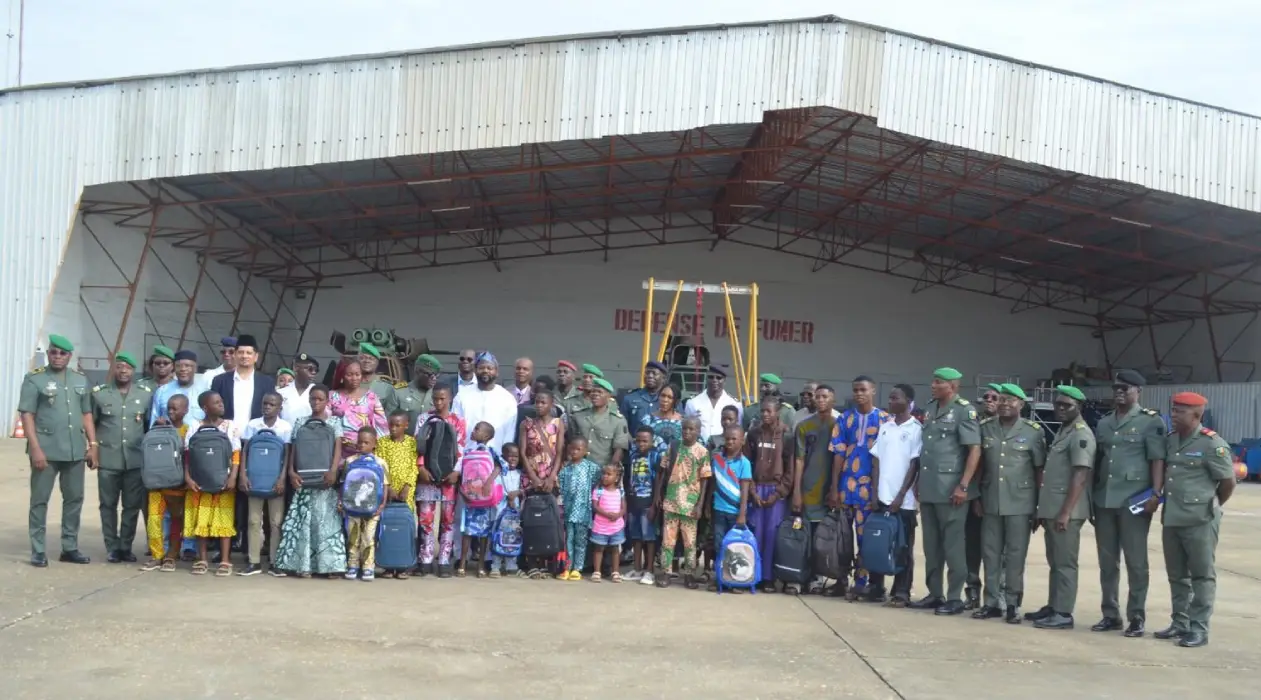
(157, 513)
(214, 514)
(400, 461)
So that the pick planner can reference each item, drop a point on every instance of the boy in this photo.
(576, 480)
(164, 524)
(730, 416)
(769, 448)
(894, 466)
(733, 477)
(274, 503)
(641, 507)
(681, 493)
(476, 522)
(361, 531)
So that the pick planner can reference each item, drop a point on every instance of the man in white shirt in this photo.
(465, 377)
(489, 402)
(297, 395)
(895, 464)
(707, 407)
(228, 353)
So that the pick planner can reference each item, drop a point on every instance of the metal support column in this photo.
(133, 286)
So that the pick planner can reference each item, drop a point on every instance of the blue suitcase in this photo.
(264, 463)
(396, 537)
(884, 544)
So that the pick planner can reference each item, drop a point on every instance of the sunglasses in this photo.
(466, 359)
(56, 352)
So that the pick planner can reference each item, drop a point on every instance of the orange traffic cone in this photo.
(19, 433)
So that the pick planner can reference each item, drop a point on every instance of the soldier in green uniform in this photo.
(1013, 451)
(161, 369)
(417, 398)
(120, 411)
(602, 425)
(769, 386)
(56, 410)
(568, 394)
(988, 408)
(1199, 479)
(1131, 460)
(1064, 506)
(370, 360)
(947, 467)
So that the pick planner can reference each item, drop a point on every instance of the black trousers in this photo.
(972, 542)
(902, 581)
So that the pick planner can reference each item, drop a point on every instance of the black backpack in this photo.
(437, 444)
(313, 445)
(209, 459)
(833, 546)
(792, 550)
(540, 525)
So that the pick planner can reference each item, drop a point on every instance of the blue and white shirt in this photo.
(728, 473)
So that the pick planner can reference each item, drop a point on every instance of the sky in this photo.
(1203, 50)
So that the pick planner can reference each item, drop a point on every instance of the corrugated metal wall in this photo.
(1236, 407)
(56, 141)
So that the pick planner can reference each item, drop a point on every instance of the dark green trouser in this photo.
(972, 538)
(1190, 561)
(1005, 540)
(117, 485)
(70, 474)
(944, 546)
(1117, 532)
(1061, 555)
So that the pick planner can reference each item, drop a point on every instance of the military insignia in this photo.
(1193, 454)
(97, 388)
(1080, 425)
(1150, 412)
(400, 385)
(971, 414)
(961, 401)
(1020, 440)
(987, 420)
(1221, 451)
(1206, 431)
(1082, 444)
(38, 370)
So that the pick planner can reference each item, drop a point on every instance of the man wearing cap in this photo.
(227, 352)
(370, 362)
(55, 406)
(161, 369)
(947, 470)
(242, 389)
(642, 402)
(488, 402)
(972, 527)
(120, 412)
(1013, 452)
(284, 377)
(417, 397)
(1063, 506)
(707, 407)
(1199, 479)
(187, 383)
(602, 425)
(768, 385)
(569, 396)
(297, 395)
(1131, 460)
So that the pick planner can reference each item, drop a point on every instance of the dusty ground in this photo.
(106, 631)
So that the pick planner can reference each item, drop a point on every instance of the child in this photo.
(361, 530)
(641, 528)
(730, 416)
(576, 479)
(165, 522)
(894, 468)
(275, 503)
(398, 451)
(475, 522)
(311, 538)
(209, 515)
(704, 528)
(769, 449)
(681, 494)
(435, 502)
(511, 481)
(733, 476)
(608, 525)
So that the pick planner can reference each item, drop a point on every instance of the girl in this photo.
(401, 461)
(209, 515)
(576, 479)
(510, 479)
(666, 422)
(358, 407)
(608, 524)
(361, 530)
(166, 538)
(475, 522)
(541, 439)
(311, 537)
(435, 503)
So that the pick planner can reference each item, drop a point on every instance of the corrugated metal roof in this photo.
(60, 139)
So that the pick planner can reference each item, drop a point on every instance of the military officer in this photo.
(602, 424)
(56, 410)
(1199, 479)
(1013, 452)
(1131, 460)
(948, 464)
(988, 408)
(370, 360)
(1064, 506)
(120, 411)
(642, 402)
(568, 394)
(417, 398)
(161, 369)
(768, 385)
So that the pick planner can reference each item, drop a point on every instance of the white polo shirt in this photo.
(709, 412)
(896, 445)
(297, 404)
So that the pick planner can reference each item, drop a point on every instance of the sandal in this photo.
(562, 576)
(304, 574)
(494, 573)
(459, 572)
(402, 575)
(575, 575)
(522, 573)
(168, 565)
(200, 567)
(616, 577)
(536, 574)
(151, 565)
(595, 577)
(224, 569)
(481, 573)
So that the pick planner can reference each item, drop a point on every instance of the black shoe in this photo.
(927, 603)
(1193, 639)
(75, 557)
(444, 571)
(1040, 613)
(39, 561)
(1171, 632)
(250, 570)
(874, 595)
(1055, 621)
(127, 556)
(950, 607)
(1136, 628)
(113, 558)
(1107, 624)
(986, 612)
(1013, 615)
(973, 599)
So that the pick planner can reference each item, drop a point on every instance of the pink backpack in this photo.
(475, 471)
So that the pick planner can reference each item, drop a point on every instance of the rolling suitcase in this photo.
(396, 537)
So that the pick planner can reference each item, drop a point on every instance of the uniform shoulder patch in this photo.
(38, 370)
(1032, 424)
(1206, 431)
(400, 385)
(147, 388)
(1150, 412)
(1222, 451)
(961, 401)
(987, 420)
(1082, 444)
(1081, 425)
(97, 388)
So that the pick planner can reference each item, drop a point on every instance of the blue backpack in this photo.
(884, 544)
(506, 537)
(264, 463)
(739, 565)
(363, 492)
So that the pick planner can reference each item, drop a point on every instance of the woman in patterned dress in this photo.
(666, 422)
(311, 538)
(357, 407)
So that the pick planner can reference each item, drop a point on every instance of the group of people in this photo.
(655, 483)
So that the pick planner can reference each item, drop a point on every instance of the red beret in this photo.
(567, 363)
(1189, 398)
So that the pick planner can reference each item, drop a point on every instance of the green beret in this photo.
(60, 342)
(1012, 390)
(603, 384)
(995, 386)
(369, 349)
(593, 371)
(1071, 392)
(429, 362)
(948, 374)
(164, 351)
(126, 357)
(285, 370)
(771, 379)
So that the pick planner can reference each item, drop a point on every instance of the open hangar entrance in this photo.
(891, 253)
